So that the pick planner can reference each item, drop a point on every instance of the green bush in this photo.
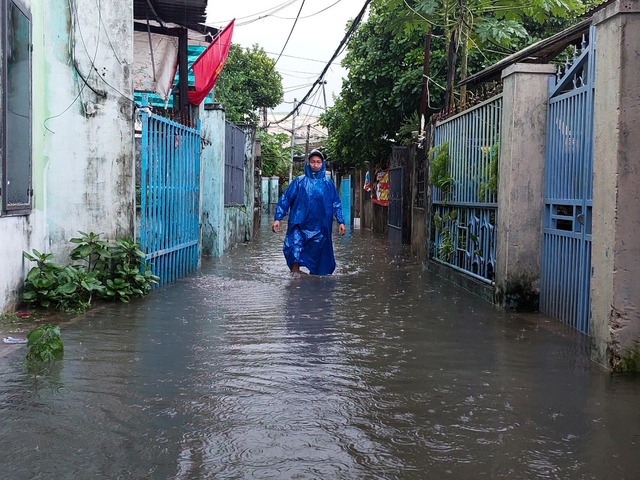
(44, 343)
(105, 270)
(439, 168)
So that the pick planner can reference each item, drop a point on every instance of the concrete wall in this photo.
(520, 185)
(212, 122)
(223, 226)
(615, 294)
(235, 226)
(250, 199)
(82, 134)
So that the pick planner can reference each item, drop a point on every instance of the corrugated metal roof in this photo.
(187, 13)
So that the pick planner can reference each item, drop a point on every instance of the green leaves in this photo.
(502, 32)
(44, 343)
(247, 83)
(440, 168)
(108, 271)
(276, 153)
(382, 88)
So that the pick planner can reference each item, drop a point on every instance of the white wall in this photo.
(83, 177)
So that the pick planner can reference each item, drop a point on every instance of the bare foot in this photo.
(295, 270)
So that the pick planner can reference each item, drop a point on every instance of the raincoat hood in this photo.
(307, 168)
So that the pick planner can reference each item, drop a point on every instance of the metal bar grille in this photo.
(566, 232)
(345, 199)
(170, 184)
(234, 165)
(465, 207)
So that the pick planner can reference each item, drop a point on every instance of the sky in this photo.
(316, 36)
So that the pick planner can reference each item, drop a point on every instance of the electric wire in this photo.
(341, 46)
(270, 12)
(289, 37)
(311, 15)
(93, 65)
(72, 44)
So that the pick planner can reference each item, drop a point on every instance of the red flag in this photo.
(209, 64)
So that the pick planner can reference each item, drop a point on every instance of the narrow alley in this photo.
(382, 370)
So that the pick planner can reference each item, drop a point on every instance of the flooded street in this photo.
(381, 371)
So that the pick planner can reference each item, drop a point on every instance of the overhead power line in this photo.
(352, 28)
(290, 32)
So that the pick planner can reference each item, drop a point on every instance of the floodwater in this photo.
(381, 371)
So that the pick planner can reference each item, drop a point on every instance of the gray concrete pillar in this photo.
(615, 259)
(249, 178)
(520, 187)
(212, 119)
(274, 192)
(265, 194)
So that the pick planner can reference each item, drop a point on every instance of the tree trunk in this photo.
(449, 101)
(464, 60)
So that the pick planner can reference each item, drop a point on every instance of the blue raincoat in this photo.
(311, 201)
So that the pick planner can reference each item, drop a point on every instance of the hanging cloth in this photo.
(208, 65)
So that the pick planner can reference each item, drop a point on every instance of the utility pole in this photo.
(324, 93)
(293, 135)
(424, 97)
(306, 149)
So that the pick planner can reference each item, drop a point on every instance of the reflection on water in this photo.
(380, 371)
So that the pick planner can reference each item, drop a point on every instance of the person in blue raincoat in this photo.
(311, 200)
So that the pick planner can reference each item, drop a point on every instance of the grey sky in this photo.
(317, 34)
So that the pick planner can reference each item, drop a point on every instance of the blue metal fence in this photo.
(345, 198)
(169, 196)
(463, 173)
(566, 233)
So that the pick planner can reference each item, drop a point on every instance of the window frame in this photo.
(21, 208)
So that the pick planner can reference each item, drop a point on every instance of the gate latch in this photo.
(580, 218)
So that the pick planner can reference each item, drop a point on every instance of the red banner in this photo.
(208, 65)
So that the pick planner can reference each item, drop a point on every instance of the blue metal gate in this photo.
(345, 198)
(566, 233)
(169, 196)
(395, 202)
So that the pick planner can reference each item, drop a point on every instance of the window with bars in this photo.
(16, 118)
(234, 165)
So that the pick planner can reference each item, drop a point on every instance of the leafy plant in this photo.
(408, 132)
(130, 276)
(493, 168)
(440, 168)
(446, 248)
(44, 343)
(108, 271)
(444, 225)
(490, 173)
(42, 280)
(92, 250)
